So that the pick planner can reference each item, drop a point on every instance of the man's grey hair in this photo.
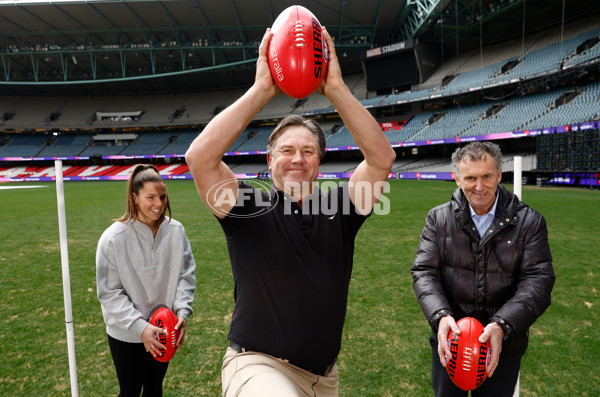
(476, 151)
(296, 120)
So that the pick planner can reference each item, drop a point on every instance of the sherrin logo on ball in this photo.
(467, 366)
(297, 52)
(164, 318)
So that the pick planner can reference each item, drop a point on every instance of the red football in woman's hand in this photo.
(164, 318)
(297, 52)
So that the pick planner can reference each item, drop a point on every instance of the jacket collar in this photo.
(506, 210)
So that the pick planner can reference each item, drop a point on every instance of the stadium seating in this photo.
(583, 108)
(341, 138)
(103, 150)
(281, 105)
(593, 37)
(66, 145)
(24, 146)
(249, 167)
(537, 55)
(257, 141)
(338, 166)
(150, 143)
(476, 78)
(180, 144)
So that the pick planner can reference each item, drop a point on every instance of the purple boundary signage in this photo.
(557, 178)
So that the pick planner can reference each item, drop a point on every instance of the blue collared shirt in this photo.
(483, 222)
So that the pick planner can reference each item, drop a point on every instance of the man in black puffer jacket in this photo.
(484, 254)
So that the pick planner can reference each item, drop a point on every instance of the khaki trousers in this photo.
(252, 374)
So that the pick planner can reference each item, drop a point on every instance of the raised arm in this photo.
(375, 147)
(216, 183)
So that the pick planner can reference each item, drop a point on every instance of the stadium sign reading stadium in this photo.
(390, 49)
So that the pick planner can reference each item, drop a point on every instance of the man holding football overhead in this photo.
(483, 254)
(291, 260)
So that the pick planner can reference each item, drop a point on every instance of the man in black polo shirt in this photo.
(291, 249)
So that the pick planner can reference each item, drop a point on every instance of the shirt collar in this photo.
(492, 211)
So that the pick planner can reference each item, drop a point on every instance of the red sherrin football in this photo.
(297, 52)
(164, 318)
(469, 358)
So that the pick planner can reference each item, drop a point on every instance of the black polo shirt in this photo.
(291, 270)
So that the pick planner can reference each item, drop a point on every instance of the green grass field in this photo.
(385, 350)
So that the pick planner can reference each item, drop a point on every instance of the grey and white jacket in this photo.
(135, 272)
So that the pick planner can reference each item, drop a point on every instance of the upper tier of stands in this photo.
(536, 111)
(528, 112)
(541, 53)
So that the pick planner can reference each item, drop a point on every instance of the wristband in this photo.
(437, 316)
(506, 327)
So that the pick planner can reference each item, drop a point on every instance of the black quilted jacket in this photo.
(505, 276)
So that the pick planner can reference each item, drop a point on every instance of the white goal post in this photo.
(64, 258)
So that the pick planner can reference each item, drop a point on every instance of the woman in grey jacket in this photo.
(484, 254)
(143, 260)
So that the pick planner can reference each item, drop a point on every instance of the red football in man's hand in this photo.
(469, 358)
(164, 318)
(297, 52)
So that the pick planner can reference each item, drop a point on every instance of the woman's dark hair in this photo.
(141, 174)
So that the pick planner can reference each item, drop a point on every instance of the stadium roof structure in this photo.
(140, 47)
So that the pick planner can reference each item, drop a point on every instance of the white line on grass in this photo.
(18, 187)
